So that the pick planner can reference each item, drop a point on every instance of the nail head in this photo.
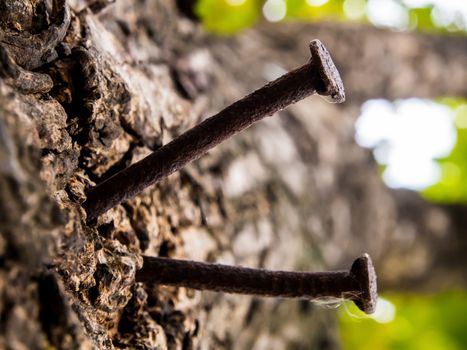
(364, 271)
(322, 61)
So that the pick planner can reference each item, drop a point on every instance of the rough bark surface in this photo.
(86, 89)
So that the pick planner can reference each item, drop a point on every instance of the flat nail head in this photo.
(332, 82)
(364, 272)
(318, 76)
(358, 284)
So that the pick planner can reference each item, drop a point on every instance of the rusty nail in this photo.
(318, 76)
(358, 284)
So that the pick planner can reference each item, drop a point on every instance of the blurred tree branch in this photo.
(373, 62)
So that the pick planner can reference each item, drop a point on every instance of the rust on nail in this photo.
(358, 284)
(318, 76)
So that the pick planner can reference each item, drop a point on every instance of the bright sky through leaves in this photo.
(394, 14)
(385, 311)
(407, 136)
(230, 16)
(274, 10)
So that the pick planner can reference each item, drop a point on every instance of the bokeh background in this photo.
(418, 142)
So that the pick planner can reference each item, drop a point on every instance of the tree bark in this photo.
(293, 192)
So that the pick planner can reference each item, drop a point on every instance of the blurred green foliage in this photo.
(230, 16)
(451, 188)
(221, 17)
(421, 322)
(330, 10)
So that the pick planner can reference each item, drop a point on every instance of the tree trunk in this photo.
(83, 95)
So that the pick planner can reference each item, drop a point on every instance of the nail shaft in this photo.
(317, 76)
(358, 284)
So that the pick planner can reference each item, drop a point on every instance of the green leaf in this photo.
(451, 187)
(424, 322)
(227, 17)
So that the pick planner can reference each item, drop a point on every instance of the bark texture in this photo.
(86, 89)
